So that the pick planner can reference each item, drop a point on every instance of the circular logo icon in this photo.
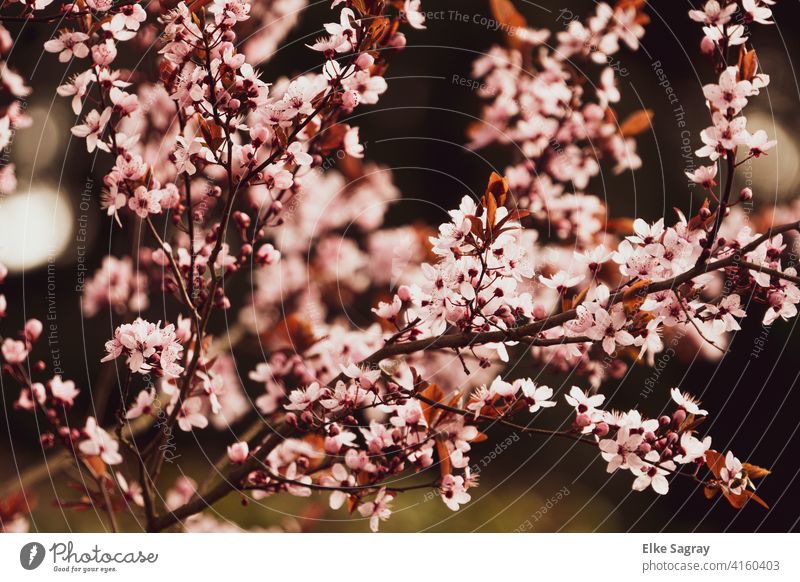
(31, 555)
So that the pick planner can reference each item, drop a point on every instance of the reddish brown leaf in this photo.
(498, 186)
(434, 394)
(506, 14)
(748, 63)
(715, 462)
(445, 465)
(96, 466)
(754, 471)
(636, 123)
(634, 295)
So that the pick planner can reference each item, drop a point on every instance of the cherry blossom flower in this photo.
(377, 510)
(68, 44)
(302, 399)
(756, 12)
(536, 397)
(453, 492)
(64, 392)
(730, 95)
(713, 14)
(654, 476)
(621, 452)
(339, 477)
(759, 143)
(14, 351)
(191, 415)
(704, 175)
(732, 474)
(146, 345)
(99, 443)
(411, 10)
(92, 127)
(687, 402)
(142, 405)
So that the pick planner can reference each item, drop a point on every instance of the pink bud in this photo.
(707, 46)
(404, 293)
(364, 61)
(33, 329)
(746, 194)
(582, 420)
(350, 99)
(242, 219)
(238, 452)
(398, 41)
(267, 255)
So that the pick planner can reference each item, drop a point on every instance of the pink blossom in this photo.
(64, 392)
(14, 351)
(99, 443)
(68, 44)
(92, 127)
(377, 510)
(142, 405)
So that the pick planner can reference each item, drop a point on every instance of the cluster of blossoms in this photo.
(562, 129)
(474, 285)
(147, 347)
(54, 398)
(269, 179)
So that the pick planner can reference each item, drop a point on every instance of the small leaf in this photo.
(378, 29)
(212, 133)
(636, 123)
(748, 63)
(578, 299)
(490, 205)
(435, 394)
(96, 466)
(331, 138)
(634, 295)
(498, 186)
(622, 226)
(506, 14)
(715, 462)
(445, 465)
(754, 471)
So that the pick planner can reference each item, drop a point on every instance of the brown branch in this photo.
(532, 330)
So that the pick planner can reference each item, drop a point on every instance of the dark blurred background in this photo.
(419, 130)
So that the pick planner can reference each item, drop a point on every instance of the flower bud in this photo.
(707, 46)
(33, 329)
(242, 220)
(582, 420)
(746, 194)
(364, 61)
(398, 41)
(238, 452)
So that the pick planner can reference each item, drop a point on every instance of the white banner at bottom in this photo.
(348, 557)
